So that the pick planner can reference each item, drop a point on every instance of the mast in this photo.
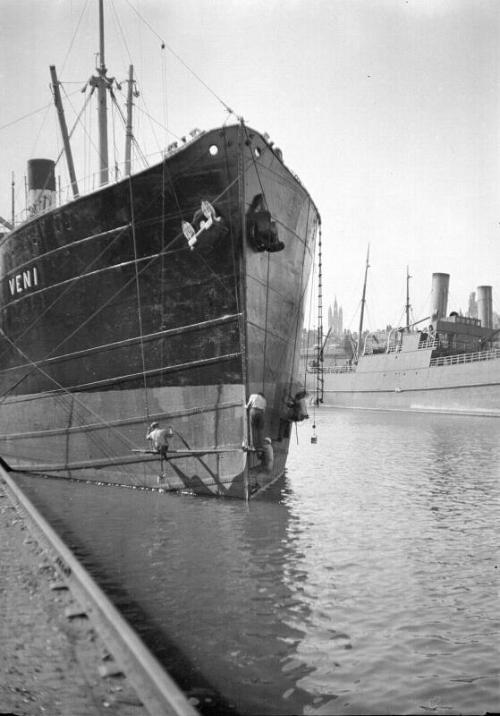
(129, 135)
(13, 201)
(64, 130)
(102, 82)
(363, 301)
(408, 306)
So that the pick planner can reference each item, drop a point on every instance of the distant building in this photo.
(336, 319)
(472, 311)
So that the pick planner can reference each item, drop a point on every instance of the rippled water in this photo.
(369, 584)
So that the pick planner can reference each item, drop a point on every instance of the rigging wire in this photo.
(140, 153)
(164, 249)
(298, 328)
(73, 333)
(90, 146)
(74, 36)
(70, 285)
(20, 188)
(37, 366)
(256, 167)
(197, 254)
(60, 387)
(44, 119)
(159, 146)
(133, 220)
(45, 108)
(82, 274)
(79, 417)
(93, 261)
(264, 358)
(164, 45)
(78, 116)
(77, 121)
(25, 116)
(164, 92)
(138, 295)
(163, 257)
(124, 121)
(232, 232)
(299, 303)
(86, 146)
(257, 172)
(163, 125)
(113, 134)
(120, 29)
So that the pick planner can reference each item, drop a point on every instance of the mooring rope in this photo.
(138, 296)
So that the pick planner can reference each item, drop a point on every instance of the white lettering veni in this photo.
(23, 281)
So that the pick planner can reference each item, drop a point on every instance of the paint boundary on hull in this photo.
(428, 411)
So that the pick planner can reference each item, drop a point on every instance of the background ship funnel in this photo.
(439, 295)
(485, 306)
(41, 185)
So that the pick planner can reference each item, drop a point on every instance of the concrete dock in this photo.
(51, 659)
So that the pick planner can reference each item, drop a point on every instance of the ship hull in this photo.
(464, 389)
(110, 320)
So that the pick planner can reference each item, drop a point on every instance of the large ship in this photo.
(160, 304)
(441, 364)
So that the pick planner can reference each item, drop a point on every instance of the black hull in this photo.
(110, 320)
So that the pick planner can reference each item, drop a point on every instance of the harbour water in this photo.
(368, 583)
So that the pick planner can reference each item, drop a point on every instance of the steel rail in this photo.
(158, 692)
(462, 358)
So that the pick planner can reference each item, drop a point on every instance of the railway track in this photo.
(159, 694)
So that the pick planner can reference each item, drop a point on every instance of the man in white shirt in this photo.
(159, 440)
(256, 406)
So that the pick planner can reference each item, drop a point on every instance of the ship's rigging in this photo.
(408, 305)
(103, 84)
(141, 213)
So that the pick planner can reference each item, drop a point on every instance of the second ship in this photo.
(444, 363)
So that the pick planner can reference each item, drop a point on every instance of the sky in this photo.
(387, 110)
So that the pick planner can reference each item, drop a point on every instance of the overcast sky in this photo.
(388, 111)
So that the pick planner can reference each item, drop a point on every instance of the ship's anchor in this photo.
(188, 230)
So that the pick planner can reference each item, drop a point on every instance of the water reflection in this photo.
(367, 585)
(412, 535)
(214, 587)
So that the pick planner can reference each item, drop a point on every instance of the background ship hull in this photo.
(468, 389)
(110, 321)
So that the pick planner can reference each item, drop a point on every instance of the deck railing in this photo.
(457, 359)
(466, 357)
(428, 343)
